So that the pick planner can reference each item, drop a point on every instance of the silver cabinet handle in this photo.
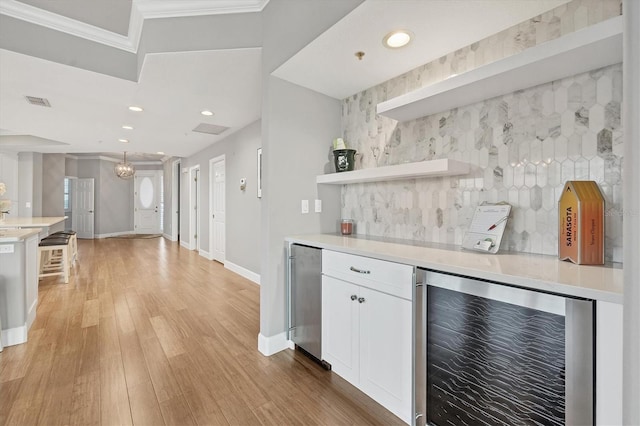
(360, 271)
(354, 297)
(361, 300)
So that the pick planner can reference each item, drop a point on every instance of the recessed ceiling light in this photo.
(206, 112)
(136, 108)
(123, 140)
(160, 152)
(127, 127)
(397, 39)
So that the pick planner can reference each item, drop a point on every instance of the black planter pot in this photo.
(344, 159)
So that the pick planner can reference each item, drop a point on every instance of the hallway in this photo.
(149, 333)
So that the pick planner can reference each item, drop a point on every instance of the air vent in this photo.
(212, 129)
(38, 101)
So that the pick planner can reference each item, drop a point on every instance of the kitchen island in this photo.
(47, 225)
(18, 283)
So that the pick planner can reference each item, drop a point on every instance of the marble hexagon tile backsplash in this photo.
(522, 147)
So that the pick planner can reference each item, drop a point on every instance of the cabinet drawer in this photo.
(389, 277)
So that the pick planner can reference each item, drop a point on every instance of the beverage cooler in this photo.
(488, 353)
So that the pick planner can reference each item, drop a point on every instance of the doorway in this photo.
(85, 205)
(147, 198)
(175, 201)
(217, 231)
(70, 202)
(194, 207)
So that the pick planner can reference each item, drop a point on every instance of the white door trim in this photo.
(194, 200)
(175, 201)
(212, 250)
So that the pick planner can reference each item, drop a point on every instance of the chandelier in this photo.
(123, 169)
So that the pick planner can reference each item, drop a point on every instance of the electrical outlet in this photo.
(318, 206)
(305, 206)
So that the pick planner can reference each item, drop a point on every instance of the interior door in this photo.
(218, 234)
(85, 207)
(146, 213)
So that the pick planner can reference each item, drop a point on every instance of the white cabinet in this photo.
(367, 327)
(340, 327)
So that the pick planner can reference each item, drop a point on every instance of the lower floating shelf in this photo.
(430, 168)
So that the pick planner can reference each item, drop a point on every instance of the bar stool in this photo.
(73, 241)
(54, 257)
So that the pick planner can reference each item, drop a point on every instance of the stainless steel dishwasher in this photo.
(304, 282)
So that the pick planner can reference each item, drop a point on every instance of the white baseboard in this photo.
(244, 272)
(204, 254)
(14, 336)
(168, 237)
(272, 345)
(113, 234)
(185, 245)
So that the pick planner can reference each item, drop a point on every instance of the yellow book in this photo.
(581, 223)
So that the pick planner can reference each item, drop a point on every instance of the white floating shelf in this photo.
(584, 50)
(431, 168)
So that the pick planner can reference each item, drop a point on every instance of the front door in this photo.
(217, 236)
(146, 203)
(84, 201)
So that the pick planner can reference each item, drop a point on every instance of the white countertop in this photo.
(536, 272)
(17, 235)
(30, 222)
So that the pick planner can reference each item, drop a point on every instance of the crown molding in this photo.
(99, 157)
(146, 163)
(140, 10)
(66, 25)
(151, 9)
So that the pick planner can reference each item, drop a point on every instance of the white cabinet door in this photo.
(340, 327)
(385, 350)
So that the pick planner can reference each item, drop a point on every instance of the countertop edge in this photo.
(566, 281)
(19, 235)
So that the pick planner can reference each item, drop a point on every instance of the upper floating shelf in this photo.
(442, 167)
(584, 50)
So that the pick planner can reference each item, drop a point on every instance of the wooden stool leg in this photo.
(66, 264)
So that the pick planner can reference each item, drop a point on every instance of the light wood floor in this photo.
(149, 333)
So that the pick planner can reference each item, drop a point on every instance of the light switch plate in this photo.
(318, 206)
(305, 206)
(6, 248)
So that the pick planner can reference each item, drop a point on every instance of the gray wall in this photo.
(242, 207)
(114, 201)
(53, 169)
(298, 126)
(113, 197)
(169, 202)
(71, 167)
(30, 184)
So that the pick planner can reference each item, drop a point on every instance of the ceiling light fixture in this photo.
(127, 127)
(136, 108)
(397, 39)
(123, 169)
(123, 140)
(160, 152)
(206, 112)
